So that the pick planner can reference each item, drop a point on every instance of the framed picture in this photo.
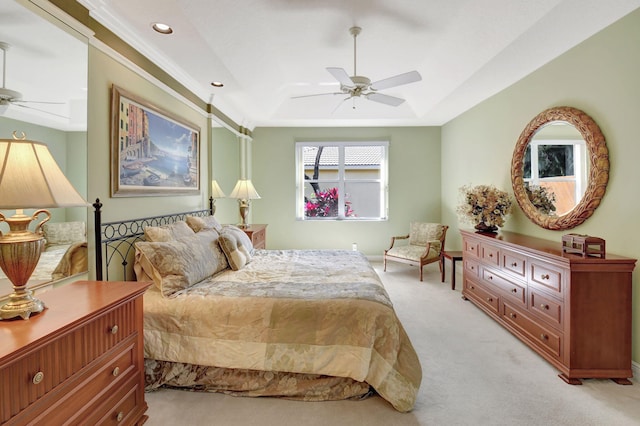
(153, 152)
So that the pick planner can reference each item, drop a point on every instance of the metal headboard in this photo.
(114, 241)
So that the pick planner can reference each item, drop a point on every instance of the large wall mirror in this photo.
(560, 168)
(46, 63)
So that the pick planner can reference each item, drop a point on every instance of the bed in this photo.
(303, 324)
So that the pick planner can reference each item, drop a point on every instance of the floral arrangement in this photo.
(484, 204)
(325, 204)
(542, 198)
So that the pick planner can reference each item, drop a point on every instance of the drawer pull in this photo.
(543, 306)
(489, 299)
(116, 371)
(490, 254)
(38, 377)
(473, 287)
(119, 416)
(114, 329)
(514, 290)
(514, 264)
(512, 315)
(544, 276)
(544, 337)
(490, 277)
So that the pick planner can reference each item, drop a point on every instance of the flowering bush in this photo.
(325, 204)
(542, 198)
(484, 204)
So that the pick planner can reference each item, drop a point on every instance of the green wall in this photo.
(414, 187)
(599, 76)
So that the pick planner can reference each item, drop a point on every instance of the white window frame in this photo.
(340, 181)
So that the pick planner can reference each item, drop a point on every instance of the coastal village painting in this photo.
(154, 153)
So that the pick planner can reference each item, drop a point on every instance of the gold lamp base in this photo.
(244, 213)
(20, 251)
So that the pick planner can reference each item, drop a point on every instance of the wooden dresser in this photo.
(573, 311)
(80, 361)
(257, 234)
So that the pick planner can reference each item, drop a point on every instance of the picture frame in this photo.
(153, 152)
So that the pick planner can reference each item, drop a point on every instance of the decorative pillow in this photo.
(178, 264)
(198, 223)
(165, 233)
(421, 233)
(236, 245)
(57, 233)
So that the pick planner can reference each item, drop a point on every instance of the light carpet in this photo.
(474, 373)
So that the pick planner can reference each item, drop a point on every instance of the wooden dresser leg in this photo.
(569, 380)
(622, 381)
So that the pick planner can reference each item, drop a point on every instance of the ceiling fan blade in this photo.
(341, 75)
(398, 80)
(317, 94)
(37, 102)
(384, 99)
(40, 110)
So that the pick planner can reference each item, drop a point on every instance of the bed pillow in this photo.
(179, 264)
(236, 245)
(170, 232)
(198, 223)
(59, 233)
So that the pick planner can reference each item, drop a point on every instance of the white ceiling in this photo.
(44, 63)
(266, 51)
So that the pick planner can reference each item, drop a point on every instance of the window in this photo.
(341, 180)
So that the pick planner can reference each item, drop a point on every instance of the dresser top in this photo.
(545, 247)
(66, 306)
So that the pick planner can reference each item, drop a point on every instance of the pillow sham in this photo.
(197, 223)
(236, 245)
(179, 264)
(58, 233)
(165, 233)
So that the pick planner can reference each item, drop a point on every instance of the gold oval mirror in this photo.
(560, 168)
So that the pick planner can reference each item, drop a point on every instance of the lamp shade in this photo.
(31, 178)
(244, 190)
(216, 191)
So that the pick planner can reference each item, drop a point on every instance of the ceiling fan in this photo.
(360, 86)
(12, 97)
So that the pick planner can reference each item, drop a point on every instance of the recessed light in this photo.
(217, 84)
(162, 28)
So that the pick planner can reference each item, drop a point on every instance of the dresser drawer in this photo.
(471, 247)
(514, 263)
(537, 334)
(121, 407)
(546, 308)
(483, 295)
(258, 239)
(490, 254)
(546, 277)
(471, 267)
(513, 290)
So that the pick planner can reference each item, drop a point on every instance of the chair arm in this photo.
(428, 247)
(399, 237)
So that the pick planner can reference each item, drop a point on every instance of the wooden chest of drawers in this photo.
(573, 311)
(80, 361)
(257, 234)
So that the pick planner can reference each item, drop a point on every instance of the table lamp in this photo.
(216, 192)
(244, 192)
(29, 179)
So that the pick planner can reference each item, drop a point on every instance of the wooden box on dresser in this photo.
(80, 361)
(573, 311)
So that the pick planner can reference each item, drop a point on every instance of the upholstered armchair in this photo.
(425, 245)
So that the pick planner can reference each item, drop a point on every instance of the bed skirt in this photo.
(240, 382)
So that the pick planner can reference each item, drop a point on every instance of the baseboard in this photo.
(635, 369)
(375, 258)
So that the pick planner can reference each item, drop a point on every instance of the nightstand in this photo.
(257, 234)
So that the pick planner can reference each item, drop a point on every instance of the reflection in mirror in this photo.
(560, 168)
(556, 168)
(45, 63)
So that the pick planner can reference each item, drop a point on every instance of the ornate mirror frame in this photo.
(598, 167)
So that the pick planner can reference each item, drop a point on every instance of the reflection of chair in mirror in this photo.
(425, 245)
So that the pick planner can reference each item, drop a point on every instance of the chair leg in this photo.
(421, 272)
(385, 264)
